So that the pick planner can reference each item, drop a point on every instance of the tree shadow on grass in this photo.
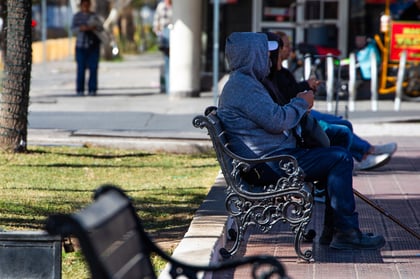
(90, 155)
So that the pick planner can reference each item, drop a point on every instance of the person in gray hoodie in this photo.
(256, 126)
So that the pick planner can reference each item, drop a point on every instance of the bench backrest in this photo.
(224, 155)
(115, 244)
(111, 236)
(238, 171)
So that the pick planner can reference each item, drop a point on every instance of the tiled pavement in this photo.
(395, 187)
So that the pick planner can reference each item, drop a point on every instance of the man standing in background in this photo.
(85, 23)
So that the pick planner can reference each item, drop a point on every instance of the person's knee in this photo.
(335, 130)
(342, 155)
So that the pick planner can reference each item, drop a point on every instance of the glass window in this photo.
(312, 10)
(278, 11)
(316, 10)
(331, 10)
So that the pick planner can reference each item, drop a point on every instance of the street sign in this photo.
(405, 35)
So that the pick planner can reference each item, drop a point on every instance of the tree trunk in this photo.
(14, 100)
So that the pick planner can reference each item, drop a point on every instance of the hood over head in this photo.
(247, 52)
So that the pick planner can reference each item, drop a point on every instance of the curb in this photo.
(206, 233)
(152, 144)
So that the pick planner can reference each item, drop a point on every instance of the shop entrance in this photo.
(322, 22)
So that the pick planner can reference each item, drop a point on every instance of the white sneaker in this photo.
(388, 148)
(373, 161)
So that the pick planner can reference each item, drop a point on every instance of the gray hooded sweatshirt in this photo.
(256, 126)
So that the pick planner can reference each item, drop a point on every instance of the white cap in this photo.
(272, 45)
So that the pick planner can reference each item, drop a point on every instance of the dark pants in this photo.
(358, 147)
(87, 58)
(340, 135)
(334, 167)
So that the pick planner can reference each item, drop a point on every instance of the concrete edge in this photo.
(60, 137)
(205, 236)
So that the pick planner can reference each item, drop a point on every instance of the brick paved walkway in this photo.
(396, 188)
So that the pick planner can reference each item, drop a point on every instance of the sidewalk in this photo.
(393, 187)
(129, 112)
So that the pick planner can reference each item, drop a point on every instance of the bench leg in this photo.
(306, 255)
(293, 207)
(237, 234)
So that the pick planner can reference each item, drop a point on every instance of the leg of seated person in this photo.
(359, 148)
(331, 119)
(367, 155)
(336, 165)
(339, 135)
(363, 152)
(328, 229)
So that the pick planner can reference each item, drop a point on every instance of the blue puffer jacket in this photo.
(256, 125)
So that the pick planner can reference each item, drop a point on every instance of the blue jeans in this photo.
(333, 167)
(358, 147)
(339, 135)
(87, 58)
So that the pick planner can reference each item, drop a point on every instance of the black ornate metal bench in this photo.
(288, 200)
(115, 244)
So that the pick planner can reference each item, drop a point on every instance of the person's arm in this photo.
(95, 23)
(288, 85)
(282, 118)
(156, 20)
(75, 25)
(79, 23)
(303, 86)
(273, 118)
(310, 84)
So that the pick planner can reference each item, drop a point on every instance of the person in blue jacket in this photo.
(256, 124)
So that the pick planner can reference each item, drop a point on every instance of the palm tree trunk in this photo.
(14, 100)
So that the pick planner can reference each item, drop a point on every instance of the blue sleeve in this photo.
(256, 105)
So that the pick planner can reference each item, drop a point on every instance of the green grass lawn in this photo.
(166, 188)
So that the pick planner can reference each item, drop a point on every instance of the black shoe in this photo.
(355, 239)
(92, 93)
(326, 236)
(80, 93)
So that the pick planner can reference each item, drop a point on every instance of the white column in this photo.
(342, 24)
(300, 20)
(185, 49)
(352, 81)
(400, 80)
(374, 82)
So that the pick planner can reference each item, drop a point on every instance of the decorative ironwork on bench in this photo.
(289, 199)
